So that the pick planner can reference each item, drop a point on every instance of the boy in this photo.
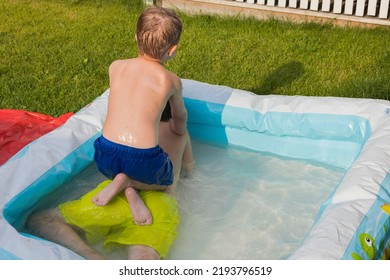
(128, 150)
(71, 220)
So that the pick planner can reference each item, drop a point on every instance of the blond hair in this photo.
(158, 29)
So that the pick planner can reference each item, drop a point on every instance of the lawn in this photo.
(54, 54)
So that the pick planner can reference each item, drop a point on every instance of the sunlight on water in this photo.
(244, 205)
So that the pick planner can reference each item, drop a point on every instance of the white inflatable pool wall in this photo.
(345, 133)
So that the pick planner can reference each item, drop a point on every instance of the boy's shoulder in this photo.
(116, 64)
(120, 65)
(119, 62)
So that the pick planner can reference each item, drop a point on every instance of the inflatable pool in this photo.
(353, 134)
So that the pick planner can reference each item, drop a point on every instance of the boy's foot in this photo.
(141, 214)
(105, 195)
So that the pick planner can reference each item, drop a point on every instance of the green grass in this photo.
(54, 54)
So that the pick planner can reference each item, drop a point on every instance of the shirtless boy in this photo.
(128, 150)
(71, 221)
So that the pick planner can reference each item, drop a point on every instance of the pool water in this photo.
(238, 204)
(246, 205)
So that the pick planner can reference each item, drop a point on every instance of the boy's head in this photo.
(158, 30)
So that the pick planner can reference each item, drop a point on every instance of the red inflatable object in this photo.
(18, 128)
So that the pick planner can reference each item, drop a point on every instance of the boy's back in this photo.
(139, 90)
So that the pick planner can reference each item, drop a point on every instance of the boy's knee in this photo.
(42, 218)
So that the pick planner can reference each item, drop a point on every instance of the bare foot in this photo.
(120, 182)
(141, 213)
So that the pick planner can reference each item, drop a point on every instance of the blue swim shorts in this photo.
(149, 166)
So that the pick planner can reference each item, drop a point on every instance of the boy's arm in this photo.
(178, 122)
(188, 162)
(188, 157)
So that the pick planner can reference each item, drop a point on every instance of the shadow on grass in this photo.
(280, 77)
